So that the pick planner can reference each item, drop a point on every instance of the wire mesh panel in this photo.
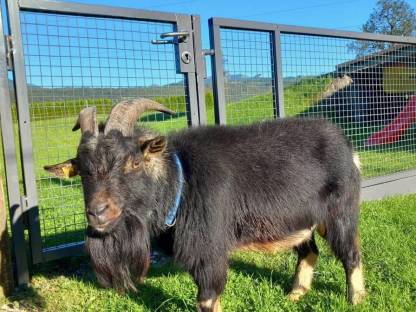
(368, 88)
(248, 76)
(77, 61)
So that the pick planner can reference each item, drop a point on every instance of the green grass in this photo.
(301, 98)
(256, 281)
(61, 205)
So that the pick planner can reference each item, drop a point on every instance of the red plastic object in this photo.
(394, 130)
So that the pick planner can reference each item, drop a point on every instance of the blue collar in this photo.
(171, 217)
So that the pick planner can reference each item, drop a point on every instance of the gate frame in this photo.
(373, 188)
(26, 207)
(17, 217)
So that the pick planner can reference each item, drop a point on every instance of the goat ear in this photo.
(153, 146)
(67, 169)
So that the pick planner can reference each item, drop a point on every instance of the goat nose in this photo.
(98, 210)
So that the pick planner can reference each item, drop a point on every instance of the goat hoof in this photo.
(296, 294)
(357, 297)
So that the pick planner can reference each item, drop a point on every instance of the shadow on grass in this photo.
(153, 298)
(62, 238)
(282, 278)
(26, 299)
(79, 269)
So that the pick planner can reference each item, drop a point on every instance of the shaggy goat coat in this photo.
(260, 183)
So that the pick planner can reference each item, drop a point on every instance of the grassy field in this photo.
(61, 205)
(256, 282)
(301, 99)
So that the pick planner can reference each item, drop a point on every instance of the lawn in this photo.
(60, 202)
(256, 282)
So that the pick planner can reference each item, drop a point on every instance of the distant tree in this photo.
(390, 17)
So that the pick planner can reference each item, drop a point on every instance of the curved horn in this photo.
(87, 121)
(124, 115)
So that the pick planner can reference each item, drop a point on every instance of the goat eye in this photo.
(136, 163)
(132, 164)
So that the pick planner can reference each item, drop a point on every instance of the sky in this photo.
(89, 52)
(344, 15)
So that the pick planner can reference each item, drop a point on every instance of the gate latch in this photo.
(178, 37)
(24, 203)
(9, 52)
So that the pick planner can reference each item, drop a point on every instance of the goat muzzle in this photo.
(101, 212)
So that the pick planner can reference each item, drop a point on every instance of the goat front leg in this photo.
(210, 279)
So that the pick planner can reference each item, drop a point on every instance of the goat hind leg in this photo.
(307, 257)
(345, 244)
(354, 273)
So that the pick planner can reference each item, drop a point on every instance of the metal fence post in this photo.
(29, 178)
(6, 279)
(188, 68)
(278, 91)
(199, 69)
(217, 74)
(12, 176)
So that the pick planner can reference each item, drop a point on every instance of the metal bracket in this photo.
(21, 209)
(158, 41)
(179, 37)
(9, 51)
(24, 203)
(208, 52)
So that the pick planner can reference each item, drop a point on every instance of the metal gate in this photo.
(363, 82)
(66, 56)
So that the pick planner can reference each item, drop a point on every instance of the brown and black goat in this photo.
(267, 186)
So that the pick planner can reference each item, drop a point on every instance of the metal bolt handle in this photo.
(157, 41)
(181, 36)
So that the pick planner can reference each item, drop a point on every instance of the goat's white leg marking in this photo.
(210, 305)
(303, 277)
(356, 288)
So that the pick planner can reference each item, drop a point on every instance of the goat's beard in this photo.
(120, 258)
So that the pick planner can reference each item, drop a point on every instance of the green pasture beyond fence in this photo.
(61, 224)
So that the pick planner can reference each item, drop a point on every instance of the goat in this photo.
(215, 189)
